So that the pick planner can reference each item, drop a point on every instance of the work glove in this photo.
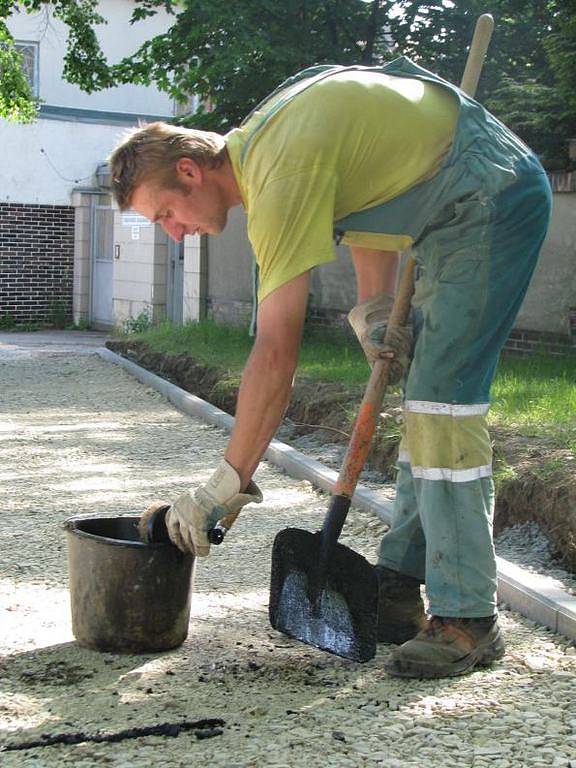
(369, 321)
(195, 512)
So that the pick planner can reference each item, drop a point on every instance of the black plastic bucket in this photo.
(126, 596)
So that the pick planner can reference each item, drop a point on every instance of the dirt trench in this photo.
(536, 480)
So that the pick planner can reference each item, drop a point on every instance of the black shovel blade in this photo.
(333, 606)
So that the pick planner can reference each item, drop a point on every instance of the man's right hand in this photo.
(379, 340)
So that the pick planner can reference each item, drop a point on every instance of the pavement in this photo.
(40, 343)
(80, 436)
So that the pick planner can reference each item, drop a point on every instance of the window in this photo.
(29, 52)
(190, 106)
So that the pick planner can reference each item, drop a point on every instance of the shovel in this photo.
(322, 592)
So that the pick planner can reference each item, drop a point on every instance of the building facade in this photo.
(64, 248)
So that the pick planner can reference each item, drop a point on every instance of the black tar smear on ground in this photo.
(203, 729)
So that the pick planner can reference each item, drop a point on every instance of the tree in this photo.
(84, 63)
(16, 101)
(560, 47)
(229, 52)
(233, 52)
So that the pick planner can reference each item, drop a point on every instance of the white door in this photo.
(102, 266)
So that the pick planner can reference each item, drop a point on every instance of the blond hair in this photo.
(150, 153)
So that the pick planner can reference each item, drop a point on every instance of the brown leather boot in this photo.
(447, 647)
(400, 606)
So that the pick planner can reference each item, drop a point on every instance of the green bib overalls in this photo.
(477, 226)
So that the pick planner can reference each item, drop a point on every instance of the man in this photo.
(384, 159)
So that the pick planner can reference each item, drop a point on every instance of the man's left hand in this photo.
(194, 513)
(379, 340)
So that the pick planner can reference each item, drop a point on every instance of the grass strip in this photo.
(536, 396)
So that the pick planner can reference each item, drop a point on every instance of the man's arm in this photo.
(376, 276)
(376, 271)
(268, 375)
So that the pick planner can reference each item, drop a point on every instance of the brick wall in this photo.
(36, 261)
(229, 311)
(528, 342)
(519, 342)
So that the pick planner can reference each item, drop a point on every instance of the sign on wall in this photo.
(135, 221)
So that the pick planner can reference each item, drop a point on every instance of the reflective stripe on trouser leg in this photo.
(450, 455)
(442, 526)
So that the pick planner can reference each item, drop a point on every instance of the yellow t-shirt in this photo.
(348, 142)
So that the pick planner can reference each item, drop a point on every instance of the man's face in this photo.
(198, 208)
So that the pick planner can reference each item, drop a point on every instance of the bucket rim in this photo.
(70, 525)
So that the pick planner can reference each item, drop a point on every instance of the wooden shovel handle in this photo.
(217, 534)
(478, 47)
(365, 424)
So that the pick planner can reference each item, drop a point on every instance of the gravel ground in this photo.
(80, 436)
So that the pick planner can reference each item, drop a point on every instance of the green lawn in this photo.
(535, 395)
(328, 356)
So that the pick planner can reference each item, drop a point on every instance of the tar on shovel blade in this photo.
(336, 612)
(325, 623)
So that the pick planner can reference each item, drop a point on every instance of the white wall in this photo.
(133, 283)
(118, 39)
(552, 293)
(43, 162)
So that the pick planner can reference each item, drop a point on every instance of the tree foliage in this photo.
(560, 46)
(16, 100)
(84, 62)
(233, 52)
